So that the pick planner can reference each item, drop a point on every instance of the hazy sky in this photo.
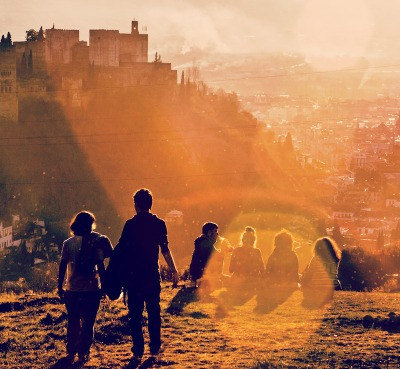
(312, 27)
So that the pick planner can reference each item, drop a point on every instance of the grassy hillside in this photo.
(210, 334)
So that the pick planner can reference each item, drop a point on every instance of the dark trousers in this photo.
(137, 296)
(82, 309)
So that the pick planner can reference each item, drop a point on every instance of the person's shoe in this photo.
(135, 360)
(83, 358)
(154, 351)
(137, 351)
(69, 359)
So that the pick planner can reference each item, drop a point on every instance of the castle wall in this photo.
(59, 67)
(138, 74)
(8, 86)
(80, 54)
(38, 56)
(104, 47)
(133, 48)
(109, 48)
(59, 43)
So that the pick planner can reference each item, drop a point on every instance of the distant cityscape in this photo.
(354, 148)
(350, 149)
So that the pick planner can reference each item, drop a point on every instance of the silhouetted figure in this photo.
(82, 259)
(246, 261)
(320, 278)
(223, 246)
(142, 237)
(281, 274)
(206, 263)
(246, 266)
(282, 269)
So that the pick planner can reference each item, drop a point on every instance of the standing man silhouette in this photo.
(141, 238)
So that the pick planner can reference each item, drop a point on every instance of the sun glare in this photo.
(334, 28)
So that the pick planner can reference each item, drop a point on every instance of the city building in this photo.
(5, 236)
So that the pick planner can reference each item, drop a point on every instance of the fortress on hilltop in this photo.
(55, 63)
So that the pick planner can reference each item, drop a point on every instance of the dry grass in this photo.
(210, 334)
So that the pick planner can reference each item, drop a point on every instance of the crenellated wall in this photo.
(104, 47)
(58, 45)
(109, 48)
(61, 66)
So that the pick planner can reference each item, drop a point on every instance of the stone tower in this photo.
(8, 86)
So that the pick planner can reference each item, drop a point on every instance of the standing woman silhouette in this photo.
(82, 261)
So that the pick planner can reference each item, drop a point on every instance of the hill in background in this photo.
(195, 149)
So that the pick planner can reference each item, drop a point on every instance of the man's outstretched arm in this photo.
(171, 264)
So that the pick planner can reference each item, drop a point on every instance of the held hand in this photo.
(61, 293)
(175, 279)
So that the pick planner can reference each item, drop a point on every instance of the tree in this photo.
(337, 235)
(157, 58)
(321, 227)
(193, 74)
(30, 229)
(30, 62)
(288, 144)
(395, 234)
(380, 241)
(31, 35)
(8, 39)
(40, 36)
(23, 64)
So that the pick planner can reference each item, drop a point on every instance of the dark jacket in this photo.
(203, 249)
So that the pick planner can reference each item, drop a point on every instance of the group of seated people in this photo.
(248, 276)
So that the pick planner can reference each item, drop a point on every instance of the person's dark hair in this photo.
(327, 250)
(208, 227)
(82, 223)
(283, 241)
(143, 199)
(249, 235)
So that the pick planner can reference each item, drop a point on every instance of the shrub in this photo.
(16, 287)
(43, 279)
(166, 274)
(391, 259)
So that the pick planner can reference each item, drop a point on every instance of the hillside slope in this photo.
(195, 149)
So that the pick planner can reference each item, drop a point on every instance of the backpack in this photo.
(86, 261)
(115, 276)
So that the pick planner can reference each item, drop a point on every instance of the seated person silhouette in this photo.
(246, 266)
(281, 274)
(320, 278)
(206, 264)
(282, 269)
(224, 247)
